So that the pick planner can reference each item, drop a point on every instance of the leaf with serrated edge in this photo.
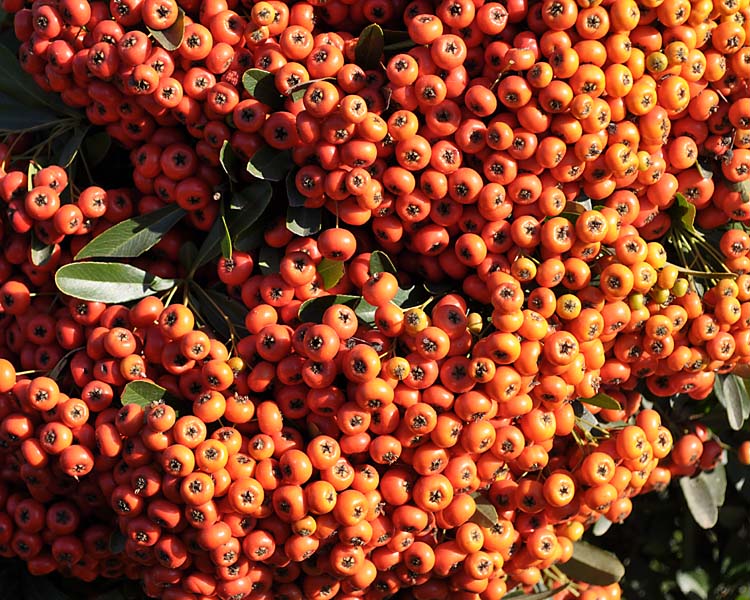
(331, 271)
(171, 38)
(312, 310)
(700, 501)
(133, 237)
(108, 282)
(142, 393)
(593, 565)
(380, 262)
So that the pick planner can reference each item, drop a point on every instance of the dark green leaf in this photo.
(219, 311)
(520, 595)
(171, 38)
(602, 400)
(254, 200)
(743, 187)
(188, 252)
(304, 221)
(72, 146)
(142, 393)
(95, 147)
(41, 588)
(485, 514)
(693, 582)
(705, 168)
(716, 480)
(293, 196)
(108, 282)
(396, 41)
(685, 212)
(593, 565)
(55, 372)
(312, 310)
(331, 271)
(252, 238)
(18, 84)
(365, 312)
(117, 540)
(269, 164)
(33, 169)
(226, 240)
(269, 259)
(133, 237)
(14, 116)
(411, 297)
(700, 501)
(229, 160)
(380, 262)
(298, 91)
(369, 47)
(260, 85)
(733, 396)
(40, 252)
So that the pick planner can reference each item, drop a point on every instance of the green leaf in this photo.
(693, 582)
(15, 116)
(40, 252)
(226, 240)
(17, 84)
(269, 164)
(41, 588)
(117, 539)
(369, 47)
(602, 400)
(33, 169)
(733, 397)
(485, 514)
(254, 200)
(705, 168)
(298, 91)
(331, 272)
(188, 252)
(601, 526)
(219, 311)
(133, 237)
(593, 565)
(700, 501)
(269, 260)
(229, 160)
(108, 282)
(142, 393)
(311, 311)
(95, 147)
(411, 296)
(260, 85)
(293, 196)
(365, 312)
(716, 480)
(520, 595)
(380, 262)
(743, 187)
(171, 38)
(685, 212)
(72, 146)
(304, 221)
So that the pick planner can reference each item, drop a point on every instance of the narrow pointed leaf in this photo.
(380, 262)
(171, 38)
(269, 164)
(294, 198)
(602, 400)
(593, 565)
(312, 310)
(33, 169)
(96, 147)
(260, 85)
(268, 260)
(331, 272)
(108, 282)
(700, 501)
(40, 252)
(226, 240)
(369, 47)
(304, 221)
(133, 237)
(72, 146)
(142, 393)
(229, 160)
(14, 116)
